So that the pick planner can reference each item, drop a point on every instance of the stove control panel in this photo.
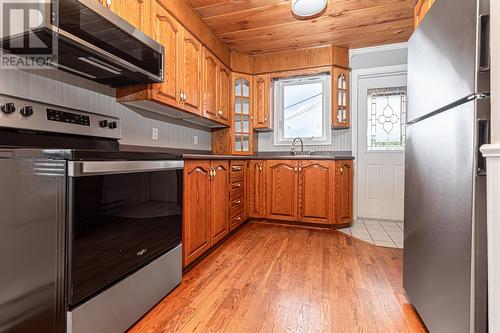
(29, 115)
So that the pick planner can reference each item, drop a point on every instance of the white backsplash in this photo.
(66, 90)
(341, 141)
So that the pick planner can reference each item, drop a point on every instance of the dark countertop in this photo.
(187, 154)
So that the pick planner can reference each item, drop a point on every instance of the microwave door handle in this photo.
(96, 168)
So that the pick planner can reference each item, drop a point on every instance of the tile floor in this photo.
(377, 232)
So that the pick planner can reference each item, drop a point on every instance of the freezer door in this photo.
(439, 191)
(442, 57)
(32, 206)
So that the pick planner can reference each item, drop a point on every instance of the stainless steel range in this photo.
(90, 236)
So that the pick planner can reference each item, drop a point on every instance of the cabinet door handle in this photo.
(265, 119)
(238, 218)
(341, 169)
(219, 113)
(296, 169)
(237, 168)
(237, 185)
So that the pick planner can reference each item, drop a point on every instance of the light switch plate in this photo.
(196, 140)
(155, 134)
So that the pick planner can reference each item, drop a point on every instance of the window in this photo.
(386, 119)
(302, 109)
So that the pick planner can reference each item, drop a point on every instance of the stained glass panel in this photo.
(386, 119)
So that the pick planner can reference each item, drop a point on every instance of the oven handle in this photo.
(96, 168)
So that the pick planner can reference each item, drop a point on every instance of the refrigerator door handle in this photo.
(484, 43)
(483, 132)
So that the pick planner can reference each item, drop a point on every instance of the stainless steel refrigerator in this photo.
(445, 270)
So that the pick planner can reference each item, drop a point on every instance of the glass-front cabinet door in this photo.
(340, 116)
(242, 115)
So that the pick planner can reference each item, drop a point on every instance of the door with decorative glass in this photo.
(381, 141)
(242, 136)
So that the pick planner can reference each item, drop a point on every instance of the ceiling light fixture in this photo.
(306, 9)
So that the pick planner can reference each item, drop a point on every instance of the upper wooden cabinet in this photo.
(135, 12)
(343, 191)
(256, 188)
(216, 88)
(210, 76)
(167, 31)
(242, 114)
(421, 9)
(190, 72)
(191, 76)
(315, 191)
(262, 102)
(282, 182)
(223, 93)
(340, 98)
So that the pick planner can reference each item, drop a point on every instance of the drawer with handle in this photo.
(236, 204)
(237, 187)
(237, 169)
(236, 220)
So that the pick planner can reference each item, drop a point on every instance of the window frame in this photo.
(278, 108)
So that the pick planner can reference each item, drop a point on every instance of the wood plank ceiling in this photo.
(261, 26)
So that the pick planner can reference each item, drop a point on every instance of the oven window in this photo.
(119, 224)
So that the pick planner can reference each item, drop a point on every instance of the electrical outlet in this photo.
(155, 134)
(196, 140)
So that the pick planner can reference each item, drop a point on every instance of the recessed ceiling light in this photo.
(304, 9)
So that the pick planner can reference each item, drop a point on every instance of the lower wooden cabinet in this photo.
(315, 191)
(343, 191)
(282, 181)
(256, 188)
(205, 206)
(309, 191)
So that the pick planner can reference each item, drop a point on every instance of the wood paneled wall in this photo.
(290, 60)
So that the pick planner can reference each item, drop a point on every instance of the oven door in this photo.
(122, 216)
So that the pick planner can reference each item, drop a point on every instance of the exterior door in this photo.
(197, 201)
(219, 194)
(381, 136)
(166, 32)
(282, 179)
(315, 191)
(256, 190)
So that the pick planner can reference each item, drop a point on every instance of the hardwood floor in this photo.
(273, 278)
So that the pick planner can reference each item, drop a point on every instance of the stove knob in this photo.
(8, 108)
(103, 123)
(113, 125)
(26, 111)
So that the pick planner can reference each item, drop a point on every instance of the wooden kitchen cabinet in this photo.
(340, 99)
(196, 210)
(216, 85)
(219, 195)
(282, 189)
(315, 194)
(210, 75)
(262, 102)
(237, 202)
(223, 93)
(167, 31)
(257, 188)
(135, 12)
(242, 114)
(205, 206)
(343, 191)
(190, 72)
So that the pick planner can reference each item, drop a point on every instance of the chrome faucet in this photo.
(292, 149)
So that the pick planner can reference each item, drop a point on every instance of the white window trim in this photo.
(279, 85)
